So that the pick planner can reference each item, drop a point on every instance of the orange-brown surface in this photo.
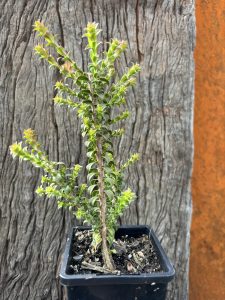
(207, 264)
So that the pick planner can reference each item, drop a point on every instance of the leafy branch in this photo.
(93, 94)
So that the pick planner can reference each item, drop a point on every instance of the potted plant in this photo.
(102, 261)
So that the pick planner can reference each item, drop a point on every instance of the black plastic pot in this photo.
(149, 286)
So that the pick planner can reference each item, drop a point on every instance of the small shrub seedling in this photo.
(101, 199)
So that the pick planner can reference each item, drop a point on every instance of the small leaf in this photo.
(82, 79)
(91, 175)
(103, 79)
(90, 165)
(110, 180)
(91, 188)
(94, 199)
(109, 193)
(87, 143)
(91, 153)
(60, 204)
(96, 241)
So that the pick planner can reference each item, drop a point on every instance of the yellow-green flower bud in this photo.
(40, 27)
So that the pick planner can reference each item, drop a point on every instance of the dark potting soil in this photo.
(132, 255)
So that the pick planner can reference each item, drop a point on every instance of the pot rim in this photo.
(107, 279)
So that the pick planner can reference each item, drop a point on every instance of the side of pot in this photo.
(122, 287)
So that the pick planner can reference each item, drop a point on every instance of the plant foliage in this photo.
(101, 199)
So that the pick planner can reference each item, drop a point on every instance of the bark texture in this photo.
(160, 35)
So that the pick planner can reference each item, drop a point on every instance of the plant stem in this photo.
(106, 255)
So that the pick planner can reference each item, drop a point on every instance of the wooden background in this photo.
(160, 35)
(207, 267)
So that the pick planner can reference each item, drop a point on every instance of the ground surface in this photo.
(132, 255)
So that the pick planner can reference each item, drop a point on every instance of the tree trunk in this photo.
(160, 35)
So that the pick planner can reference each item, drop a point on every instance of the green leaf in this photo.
(103, 79)
(110, 180)
(83, 93)
(91, 175)
(91, 153)
(109, 193)
(60, 204)
(81, 79)
(108, 144)
(91, 188)
(96, 240)
(108, 170)
(111, 235)
(87, 143)
(94, 199)
(90, 165)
